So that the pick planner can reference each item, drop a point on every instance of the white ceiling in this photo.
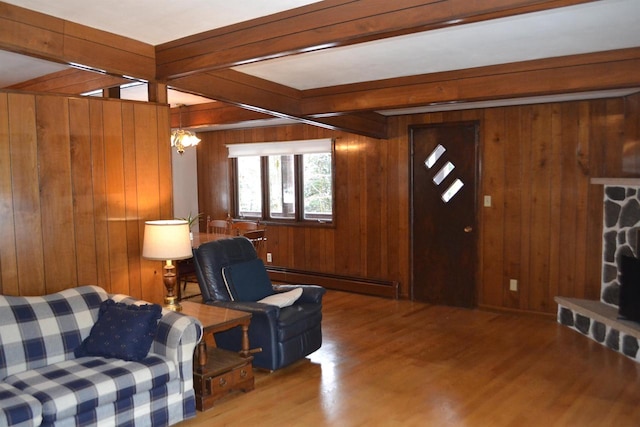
(16, 68)
(585, 28)
(158, 21)
(598, 26)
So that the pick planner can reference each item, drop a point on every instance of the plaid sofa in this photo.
(42, 383)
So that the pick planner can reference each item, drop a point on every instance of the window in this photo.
(282, 186)
(317, 186)
(249, 195)
(283, 181)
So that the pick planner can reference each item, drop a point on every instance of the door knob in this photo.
(468, 229)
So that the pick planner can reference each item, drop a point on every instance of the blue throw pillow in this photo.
(123, 331)
(247, 281)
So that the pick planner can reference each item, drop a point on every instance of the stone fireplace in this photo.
(620, 236)
(599, 319)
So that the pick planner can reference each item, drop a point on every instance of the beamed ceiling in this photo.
(339, 64)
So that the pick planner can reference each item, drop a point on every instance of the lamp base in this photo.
(170, 301)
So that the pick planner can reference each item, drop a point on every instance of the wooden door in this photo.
(443, 213)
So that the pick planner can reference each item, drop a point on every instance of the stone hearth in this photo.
(598, 320)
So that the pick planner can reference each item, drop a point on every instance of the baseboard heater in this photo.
(382, 288)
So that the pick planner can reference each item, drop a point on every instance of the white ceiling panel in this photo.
(16, 68)
(158, 21)
(571, 30)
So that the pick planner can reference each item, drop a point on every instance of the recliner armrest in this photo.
(310, 293)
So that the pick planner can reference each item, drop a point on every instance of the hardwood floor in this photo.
(402, 363)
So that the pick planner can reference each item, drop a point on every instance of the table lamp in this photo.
(167, 240)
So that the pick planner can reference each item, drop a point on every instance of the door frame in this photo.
(476, 206)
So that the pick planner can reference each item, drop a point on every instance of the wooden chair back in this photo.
(241, 228)
(259, 240)
(218, 226)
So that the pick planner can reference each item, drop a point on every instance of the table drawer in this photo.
(220, 384)
(212, 388)
(242, 373)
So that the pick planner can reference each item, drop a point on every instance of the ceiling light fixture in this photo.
(181, 138)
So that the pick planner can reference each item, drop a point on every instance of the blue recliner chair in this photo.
(231, 275)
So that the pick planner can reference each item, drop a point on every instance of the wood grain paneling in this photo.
(491, 233)
(543, 228)
(56, 198)
(8, 256)
(84, 212)
(108, 165)
(368, 211)
(79, 178)
(99, 186)
(631, 149)
(116, 215)
(27, 213)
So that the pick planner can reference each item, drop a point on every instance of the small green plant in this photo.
(192, 219)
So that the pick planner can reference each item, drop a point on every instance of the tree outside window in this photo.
(249, 183)
(317, 183)
(296, 187)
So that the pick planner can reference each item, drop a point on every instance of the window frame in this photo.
(265, 216)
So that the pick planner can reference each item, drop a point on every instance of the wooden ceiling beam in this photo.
(35, 34)
(578, 73)
(218, 113)
(327, 24)
(266, 97)
(71, 82)
(366, 123)
(242, 90)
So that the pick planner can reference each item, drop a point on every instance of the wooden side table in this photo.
(217, 372)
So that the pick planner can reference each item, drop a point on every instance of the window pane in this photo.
(249, 187)
(443, 173)
(452, 190)
(317, 186)
(281, 187)
(434, 156)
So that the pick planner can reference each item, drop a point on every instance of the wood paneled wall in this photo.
(370, 228)
(78, 178)
(544, 226)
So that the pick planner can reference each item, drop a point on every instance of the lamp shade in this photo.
(166, 240)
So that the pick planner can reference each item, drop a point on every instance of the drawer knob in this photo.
(222, 382)
(243, 373)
